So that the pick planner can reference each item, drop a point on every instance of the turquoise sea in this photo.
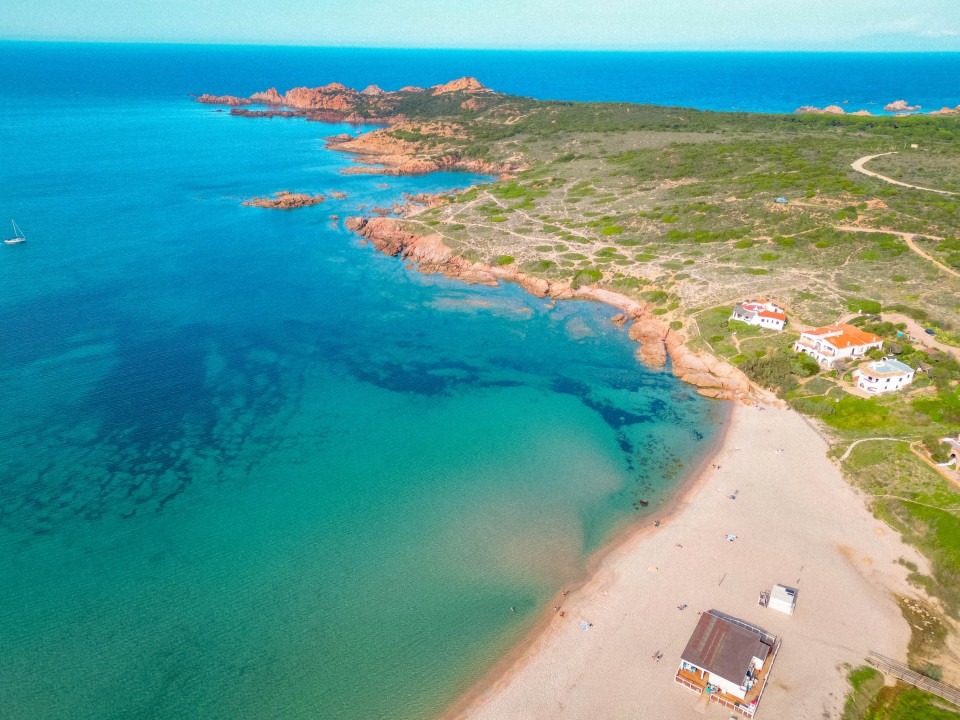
(250, 468)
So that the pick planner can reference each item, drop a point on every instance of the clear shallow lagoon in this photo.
(250, 468)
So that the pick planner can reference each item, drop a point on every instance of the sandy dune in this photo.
(796, 521)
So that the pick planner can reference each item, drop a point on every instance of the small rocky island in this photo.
(285, 200)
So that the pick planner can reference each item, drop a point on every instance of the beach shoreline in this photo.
(843, 560)
(679, 496)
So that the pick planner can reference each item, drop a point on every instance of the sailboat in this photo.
(18, 236)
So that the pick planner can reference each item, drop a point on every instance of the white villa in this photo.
(761, 313)
(828, 344)
(882, 376)
(728, 659)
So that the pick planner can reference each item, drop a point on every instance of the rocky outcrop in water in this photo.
(828, 110)
(207, 99)
(285, 200)
(901, 106)
(712, 376)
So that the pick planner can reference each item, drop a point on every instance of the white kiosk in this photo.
(783, 599)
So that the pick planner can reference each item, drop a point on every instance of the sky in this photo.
(514, 24)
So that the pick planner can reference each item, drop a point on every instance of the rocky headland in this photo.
(336, 102)
(387, 152)
(712, 377)
(396, 149)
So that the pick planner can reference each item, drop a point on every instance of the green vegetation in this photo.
(865, 683)
(869, 699)
(675, 208)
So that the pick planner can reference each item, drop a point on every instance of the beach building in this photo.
(882, 376)
(729, 660)
(828, 344)
(760, 313)
(783, 599)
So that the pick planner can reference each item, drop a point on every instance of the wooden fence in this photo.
(903, 672)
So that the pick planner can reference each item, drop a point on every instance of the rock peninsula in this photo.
(711, 376)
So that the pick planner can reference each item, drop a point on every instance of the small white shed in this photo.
(783, 599)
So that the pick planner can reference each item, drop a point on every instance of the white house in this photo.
(882, 376)
(836, 342)
(729, 659)
(761, 313)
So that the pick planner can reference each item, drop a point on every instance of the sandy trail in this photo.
(797, 522)
(908, 238)
(858, 165)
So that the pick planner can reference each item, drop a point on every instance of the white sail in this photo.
(18, 235)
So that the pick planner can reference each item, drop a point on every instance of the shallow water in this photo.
(250, 468)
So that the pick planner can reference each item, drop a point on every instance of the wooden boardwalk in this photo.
(903, 672)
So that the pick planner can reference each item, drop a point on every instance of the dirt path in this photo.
(858, 166)
(908, 239)
(857, 442)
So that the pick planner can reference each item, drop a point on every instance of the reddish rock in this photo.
(712, 376)
(464, 84)
(268, 97)
(321, 98)
(828, 110)
(900, 106)
(619, 319)
(372, 90)
(285, 200)
(222, 100)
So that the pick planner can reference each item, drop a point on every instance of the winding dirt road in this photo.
(858, 166)
(908, 239)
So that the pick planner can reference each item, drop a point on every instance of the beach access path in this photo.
(796, 522)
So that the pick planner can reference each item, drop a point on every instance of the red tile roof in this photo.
(846, 335)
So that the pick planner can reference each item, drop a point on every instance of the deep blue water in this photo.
(756, 82)
(250, 468)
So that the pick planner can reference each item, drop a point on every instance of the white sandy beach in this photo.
(797, 522)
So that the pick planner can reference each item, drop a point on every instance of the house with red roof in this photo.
(829, 344)
(761, 313)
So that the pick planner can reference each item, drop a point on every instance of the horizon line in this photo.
(592, 49)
